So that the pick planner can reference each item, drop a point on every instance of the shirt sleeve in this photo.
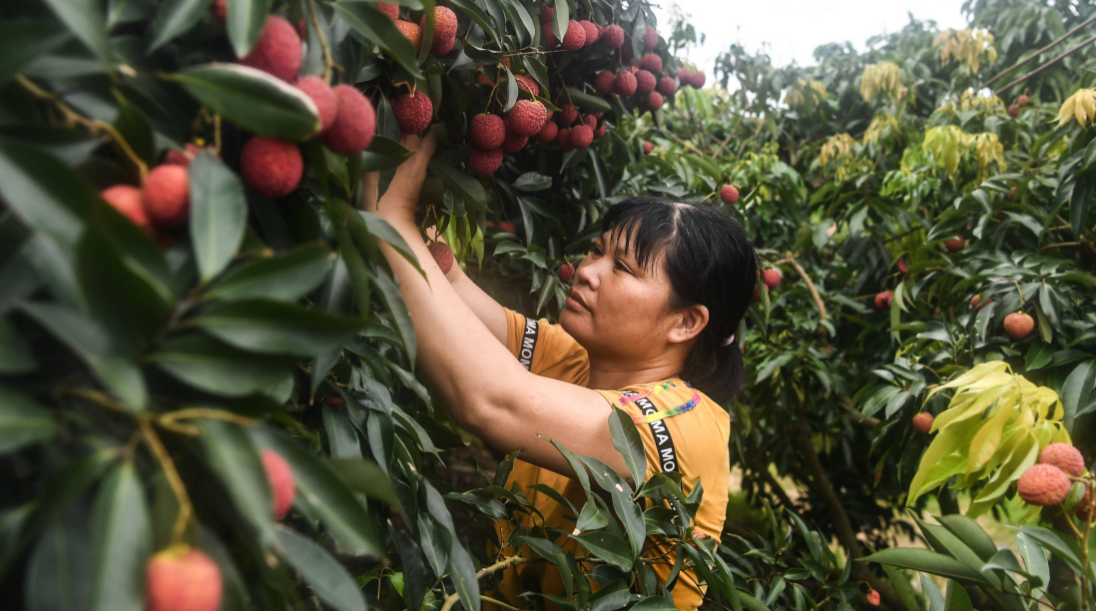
(546, 349)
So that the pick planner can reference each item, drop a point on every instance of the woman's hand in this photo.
(402, 196)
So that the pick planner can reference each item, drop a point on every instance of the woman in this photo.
(649, 326)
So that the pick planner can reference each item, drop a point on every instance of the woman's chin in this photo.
(573, 322)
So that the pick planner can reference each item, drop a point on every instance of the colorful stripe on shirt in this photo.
(668, 413)
(654, 390)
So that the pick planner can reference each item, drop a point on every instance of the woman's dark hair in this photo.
(710, 262)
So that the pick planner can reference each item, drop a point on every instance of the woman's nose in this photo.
(588, 274)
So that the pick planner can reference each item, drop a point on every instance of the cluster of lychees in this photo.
(1048, 482)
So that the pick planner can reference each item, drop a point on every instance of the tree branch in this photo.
(810, 287)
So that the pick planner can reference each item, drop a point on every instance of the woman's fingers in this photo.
(370, 183)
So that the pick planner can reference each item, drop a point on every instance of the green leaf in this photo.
(15, 357)
(905, 590)
(327, 577)
(477, 15)
(277, 328)
(44, 192)
(957, 598)
(342, 438)
(254, 100)
(585, 101)
(608, 547)
(383, 230)
(393, 301)
(1081, 203)
(591, 517)
(245, 21)
(218, 214)
(934, 599)
(459, 180)
(61, 566)
(287, 276)
(234, 458)
(373, 25)
(654, 603)
(176, 17)
(22, 42)
(383, 154)
(133, 125)
(22, 421)
(969, 532)
(212, 366)
(1035, 559)
(1077, 390)
(532, 181)
(365, 477)
(627, 441)
(927, 561)
(122, 535)
(85, 19)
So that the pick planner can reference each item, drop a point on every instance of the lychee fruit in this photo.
(696, 79)
(445, 31)
(902, 266)
(413, 32)
(487, 131)
(278, 50)
(666, 86)
(645, 82)
(600, 131)
(526, 118)
(1014, 111)
(547, 13)
(1022, 100)
(484, 162)
(514, 143)
(883, 300)
(548, 132)
(627, 54)
(771, 277)
(1043, 485)
(565, 272)
(1018, 325)
(1065, 457)
(528, 84)
(873, 598)
(355, 122)
(978, 303)
(650, 39)
(550, 40)
(591, 32)
(647, 147)
(575, 37)
(729, 194)
(955, 244)
(590, 121)
(413, 112)
(582, 136)
(183, 579)
(167, 195)
(220, 9)
(1084, 509)
(443, 255)
(604, 82)
(323, 97)
(390, 8)
(508, 227)
(563, 139)
(127, 200)
(183, 157)
(625, 83)
(270, 167)
(651, 62)
(567, 114)
(334, 400)
(654, 101)
(282, 485)
(613, 37)
(922, 423)
(682, 74)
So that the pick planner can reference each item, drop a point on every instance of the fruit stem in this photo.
(94, 126)
(204, 412)
(328, 63)
(217, 135)
(173, 480)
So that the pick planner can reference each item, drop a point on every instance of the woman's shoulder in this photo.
(674, 403)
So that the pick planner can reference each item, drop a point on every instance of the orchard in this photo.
(209, 397)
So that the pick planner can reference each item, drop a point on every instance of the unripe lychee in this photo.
(666, 86)
(604, 82)
(412, 32)
(563, 139)
(282, 486)
(729, 194)
(443, 255)
(127, 200)
(323, 97)
(651, 62)
(1043, 485)
(955, 244)
(613, 37)
(697, 79)
(922, 423)
(1018, 325)
(650, 39)
(413, 112)
(445, 30)
(183, 579)
(278, 50)
(625, 83)
(167, 195)
(526, 118)
(1065, 457)
(902, 266)
(591, 32)
(528, 84)
(883, 300)
(575, 37)
(647, 147)
(582, 136)
(1014, 111)
(566, 272)
(548, 132)
(514, 143)
(390, 8)
(355, 123)
(270, 167)
(771, 277)
(484, 162)
(487, 131)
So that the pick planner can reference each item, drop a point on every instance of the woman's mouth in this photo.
(576, 304)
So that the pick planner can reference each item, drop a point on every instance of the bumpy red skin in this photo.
(282, 486)
(514, 143)
(528, 84)
(567, 115)
(647, 148)
(355, 123)
(902, 266)
(650, 39)
(625, 84)
(922, 423)
(390, 8)
(547, 13)
(563, 140)
(413, 32)
(323, 97)
(127, 200)
(167, 195)
(484, 163)
(651, 62)
(1065, 457)
(278, 50)
(681, 75)
(591, 121)
(548, 132)
(667, 86)
(600, 131)
(445, 30)
(613, 37)
(771, 278)
(270, 167)
(697, 79)
(883, 300)
(1019, 325)
(526, 118)
(956, 244)
(566, 272)
(582, 136)
(729, 194)
(413, 112)
(645, 82)
(487, 131)
(591, 32)
(443, 255)
(654, 101)
(575, 37)
(604, 82)
(187, 582)
(1043, 485)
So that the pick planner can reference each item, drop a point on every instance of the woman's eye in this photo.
(622, 267)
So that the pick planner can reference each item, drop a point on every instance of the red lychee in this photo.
(547, 13)
(183, 579)
(526, 118)
(127, 200)
(528, 84)
(323, 97)
(771, 277)
(575, 37)
(565, 272)
(484, 162)
(902, 266)
(1014, 111)
(1022, 100)
(282, 486)
(582, 136)
(955, 244)
(873, 598)
(697, 79)
(334, 400)
(167, 195)
(563, 139)
(625, 83)
(413, 33)
(1065, 457)
(443, 256)
(220, 9)
(883, 300)
(445, 31)
(922, 423)
(413, 112)
(613, 37)
(650, 39)
(355, 122)
(600, 131)
(550, 40)
(1043, 485)
(514, 143)
(977, 303)
(508, 227)
(729, 194)
(591, 32)
(682, 74)
(487, 131)
(651, 62)
(654, 101)
(270, 167)
(183, 157)
(278, 50)
(548, 132)
(1018, 325)
(645, 82)
(590, 120)
(647, 147)
(567, 115)
(627, 54)
(390, 8)
(604, 82)
(667, 86)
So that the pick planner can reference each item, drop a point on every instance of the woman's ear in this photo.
(690, 322)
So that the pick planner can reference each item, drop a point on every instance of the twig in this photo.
(810, 286)
(485, 571)
(173, 480)
(327, 61)
(1039, 52)
(1050, 63)
(203, 412)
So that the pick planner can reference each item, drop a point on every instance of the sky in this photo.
(792, 29)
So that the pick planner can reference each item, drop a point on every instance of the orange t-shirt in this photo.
(693, 443)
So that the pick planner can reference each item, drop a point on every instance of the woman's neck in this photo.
(610, 374)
